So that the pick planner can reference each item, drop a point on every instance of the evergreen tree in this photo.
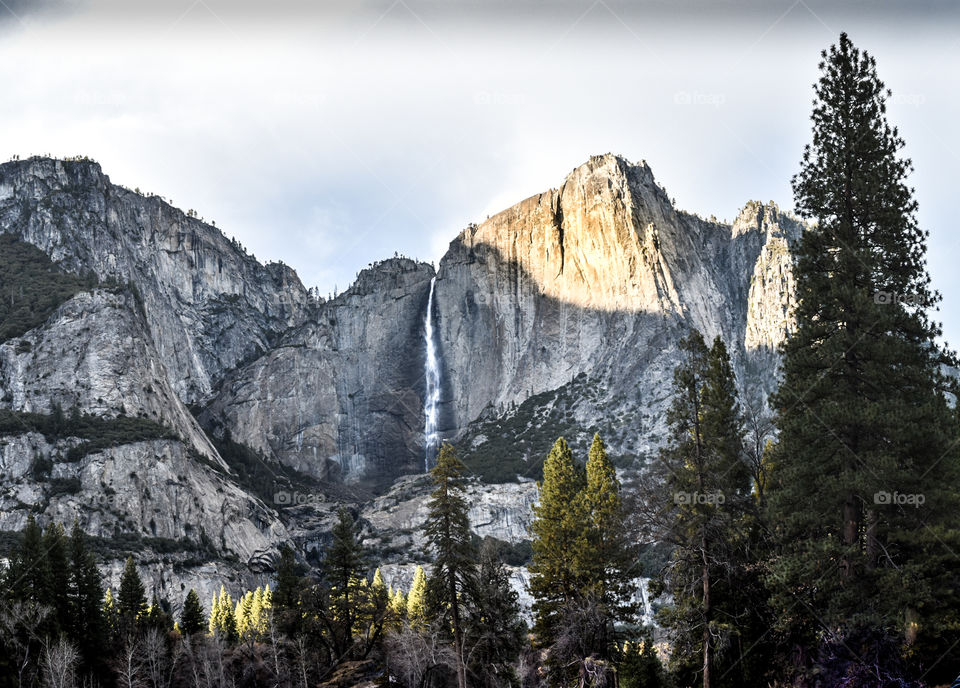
(213, 622)
(287, 592)
(416, 598)
(28, 573)
(559, 528)
(222, 616)
(111, 615)
(57, 595)
(343, 571)
(88, 626)
(192, 617)
(640, 666)
(493, 624)
(863, 496)
(131, 598)
(609, 558)
(398, 605)
(448, 532)
(705, 513)
(157, 617)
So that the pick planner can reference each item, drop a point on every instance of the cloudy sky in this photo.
(332, 134)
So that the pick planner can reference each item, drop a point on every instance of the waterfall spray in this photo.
(432, 377)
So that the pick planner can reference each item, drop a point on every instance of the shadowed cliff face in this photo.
(601, 277)
(341, 397)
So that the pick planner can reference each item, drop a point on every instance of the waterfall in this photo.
(431, 374)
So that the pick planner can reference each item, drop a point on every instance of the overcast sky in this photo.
(332, 134)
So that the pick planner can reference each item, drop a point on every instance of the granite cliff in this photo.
(560, 315)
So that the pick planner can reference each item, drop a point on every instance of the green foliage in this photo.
(559, 527)
(640, 666)
(493, 624)
(416, 599)
(85, 595)
(509, 444)
(448, 531)
(862, 413)
(609, 557)
(344, 570)
(132, 598)
(192, 617)
(32, 286)
(55, 550)
(704, 509)
(98, 432)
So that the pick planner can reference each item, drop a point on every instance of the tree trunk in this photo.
(457, 634)
(851, 534)
(872, 545)
(707, 647)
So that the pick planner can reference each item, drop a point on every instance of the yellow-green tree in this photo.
(559, 529)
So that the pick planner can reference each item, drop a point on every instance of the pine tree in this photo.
(111, 615)
(493, 624)
(213, 622)
(704, 512)
(416, 598)
(343, 571)
(609, 558)
(222, 618)
(398, 605)
(88, 626)
(131, 598)
(862, 416)
(28, 573)
(54, 545)
(286, 595)
(559, 527)
(448, 532)
(157, 617)
(192, 617)
(259, 609)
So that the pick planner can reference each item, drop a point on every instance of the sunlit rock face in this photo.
(600, 278)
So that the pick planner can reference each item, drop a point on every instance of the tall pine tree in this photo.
(448, 532)
(88, 627)
(704, 512)
(609, 558)
(344, 568)
(131, 598)
(863, 496)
